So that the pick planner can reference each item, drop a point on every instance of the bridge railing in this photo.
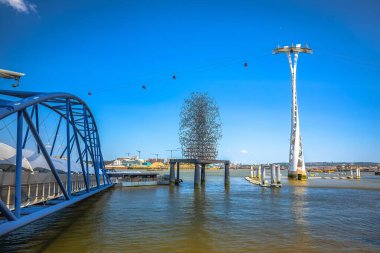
(39, 187)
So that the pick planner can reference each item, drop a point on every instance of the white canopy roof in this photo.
(32, 160)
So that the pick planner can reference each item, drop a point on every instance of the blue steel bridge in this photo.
(50, 156)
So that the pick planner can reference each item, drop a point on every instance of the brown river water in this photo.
(320, 215)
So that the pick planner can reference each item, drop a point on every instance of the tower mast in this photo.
(296, 159)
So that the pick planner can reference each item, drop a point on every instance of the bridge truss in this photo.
(73, 141)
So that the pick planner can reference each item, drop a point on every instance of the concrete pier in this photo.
(275, 176)
(178, 164)
(278, 174)
(172, 174)
(357, 176)
(262, 174)
(273, 180)
(258, 172)
(203, 174)
(197, 176)
(199, 170)
(227, 174)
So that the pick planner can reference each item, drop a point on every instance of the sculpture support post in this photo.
(203, 174)
(226, 174)
(172, 174)
(178, 172)
(197, 178)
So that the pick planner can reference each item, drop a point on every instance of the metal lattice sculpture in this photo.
(200, 127)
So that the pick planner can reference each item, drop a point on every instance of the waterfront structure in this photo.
(66, 181)
(133, 179)
(199, 171)
(296, 157)
(258, 176)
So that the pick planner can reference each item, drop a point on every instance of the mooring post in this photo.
(251, 171)
(357, 173)
(272, 174)
(197, 178)
(203, 174)
(278, 174)
(258, 175)
(262, 174)
(172, 174)
(178, 172)
(227, 174)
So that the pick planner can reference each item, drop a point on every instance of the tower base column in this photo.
(297, 175)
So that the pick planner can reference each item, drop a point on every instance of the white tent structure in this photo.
(32, 160)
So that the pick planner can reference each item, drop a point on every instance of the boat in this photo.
(137, 178)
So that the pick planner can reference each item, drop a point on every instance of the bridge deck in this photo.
(33, 213)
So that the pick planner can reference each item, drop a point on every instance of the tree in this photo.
(200, 127)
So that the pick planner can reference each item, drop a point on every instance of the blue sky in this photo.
(112, 48)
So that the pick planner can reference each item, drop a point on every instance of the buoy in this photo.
(144, 87)
(245, 64)
(174, 77)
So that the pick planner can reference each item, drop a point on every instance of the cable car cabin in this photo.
(130, 179)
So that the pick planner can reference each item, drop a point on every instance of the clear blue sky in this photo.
(112, 48)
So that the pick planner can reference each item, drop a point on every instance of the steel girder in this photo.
(80, 126)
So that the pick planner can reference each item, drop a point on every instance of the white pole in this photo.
(272, 174)
(278, 174)
(262, 174)
(259, 172)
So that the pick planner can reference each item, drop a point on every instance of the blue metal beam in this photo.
(45, 153)
(85, 142)
(27, 130)
(6, 212)
(78, 147)
(68, 147)
(93, 156)
(37, 125)
(18, 173)
(64, 151)
(55, 136)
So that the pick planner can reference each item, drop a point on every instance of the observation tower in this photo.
(296, 159)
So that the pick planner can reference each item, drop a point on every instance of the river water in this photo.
(319, 215)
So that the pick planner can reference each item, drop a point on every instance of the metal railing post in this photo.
(18, 174)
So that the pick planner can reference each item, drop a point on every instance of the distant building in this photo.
(127, 161)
